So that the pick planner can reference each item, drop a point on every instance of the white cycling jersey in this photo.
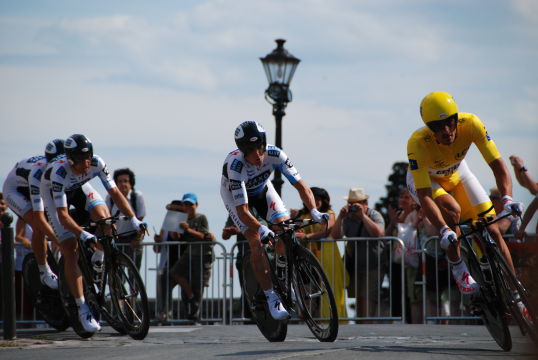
(242, 182)
(61, 188)
(21, 187)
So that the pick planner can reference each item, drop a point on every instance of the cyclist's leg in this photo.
(258, 261)
(276, 212)
(18, 201)
(475, 201)
(69, 248)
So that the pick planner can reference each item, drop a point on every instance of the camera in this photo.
(352, 208)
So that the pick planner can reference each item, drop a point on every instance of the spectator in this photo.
(356, 219)
(522, 174)
(229, 230)
(129, 244)
(327, 252)
(169, 254)
(403, 224)
(193, 269)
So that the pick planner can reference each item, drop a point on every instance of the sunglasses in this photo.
(440, 125)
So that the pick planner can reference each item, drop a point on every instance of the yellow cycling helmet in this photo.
(436, 106)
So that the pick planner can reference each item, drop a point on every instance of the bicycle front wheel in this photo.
(517, 299)
(128, 292)
(314, 296)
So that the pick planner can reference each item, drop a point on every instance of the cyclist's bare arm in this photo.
(247, 218)
(432, 211)
(502, 176)
(121, 202)
(306, 194)
(67, 221)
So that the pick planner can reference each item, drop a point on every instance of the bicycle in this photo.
(500, 290)
(117, 293)
(312, 296)
(45, 300)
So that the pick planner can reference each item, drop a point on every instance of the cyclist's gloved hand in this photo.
(512, 207)
(265, 234)
(447, 236)
(87, 238)
(138, 225)
(319, 216)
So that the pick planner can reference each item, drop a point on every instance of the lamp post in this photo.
(279, 66)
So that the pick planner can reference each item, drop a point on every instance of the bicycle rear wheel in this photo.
(46, 300)
(489, 306)
(273, 330)
(315, 296)
(513, 294)
(128, 292)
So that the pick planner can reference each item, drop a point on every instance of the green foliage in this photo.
(396, 182)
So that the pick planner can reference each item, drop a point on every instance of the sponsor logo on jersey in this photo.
(23, 173)
(225, 171)
(47, 174)
(447, 172)
(440, 164)
(257, 180)
(36, 201)
(273, 206)
(35, 159)
(413, 165)
(288, 163)
(239, 196)
(57, 187)
(427, 138)
(236, 166)
(273, 152)
(461, 154)
(61, 172)
(235, 185)
(94, 162)
(34, 190)
(37, 174)
(105, 170)
(487, 136)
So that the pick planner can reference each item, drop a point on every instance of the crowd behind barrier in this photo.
(441, 302)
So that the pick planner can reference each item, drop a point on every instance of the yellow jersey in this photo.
(428, 158)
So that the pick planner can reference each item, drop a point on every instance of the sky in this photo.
(160, 86)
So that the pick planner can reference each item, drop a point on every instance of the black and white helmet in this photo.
(78, 147)
(53, 149)
(250, 135)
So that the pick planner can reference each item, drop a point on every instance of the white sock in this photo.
(45, 268)
(80, 301)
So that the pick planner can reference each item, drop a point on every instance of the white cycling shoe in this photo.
(277, 310)
(464, 280)
(87, 320)
(49, 279)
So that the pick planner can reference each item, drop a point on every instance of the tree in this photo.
(396, 183)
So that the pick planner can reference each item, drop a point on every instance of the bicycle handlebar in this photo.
(481, 222)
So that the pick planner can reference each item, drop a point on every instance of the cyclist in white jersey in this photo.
(21, 191)
(64, 183)
(245, 181)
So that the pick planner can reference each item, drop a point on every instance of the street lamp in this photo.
(279, 66)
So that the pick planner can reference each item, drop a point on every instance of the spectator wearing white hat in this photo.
(356, 219)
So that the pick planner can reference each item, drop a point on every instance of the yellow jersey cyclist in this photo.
(440, 180)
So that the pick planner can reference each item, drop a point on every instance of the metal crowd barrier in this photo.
(222, 302)
(383, 312)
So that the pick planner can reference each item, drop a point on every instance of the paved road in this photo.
(245, 342)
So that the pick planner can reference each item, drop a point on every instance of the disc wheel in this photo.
(46, 300)
(273, 330)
